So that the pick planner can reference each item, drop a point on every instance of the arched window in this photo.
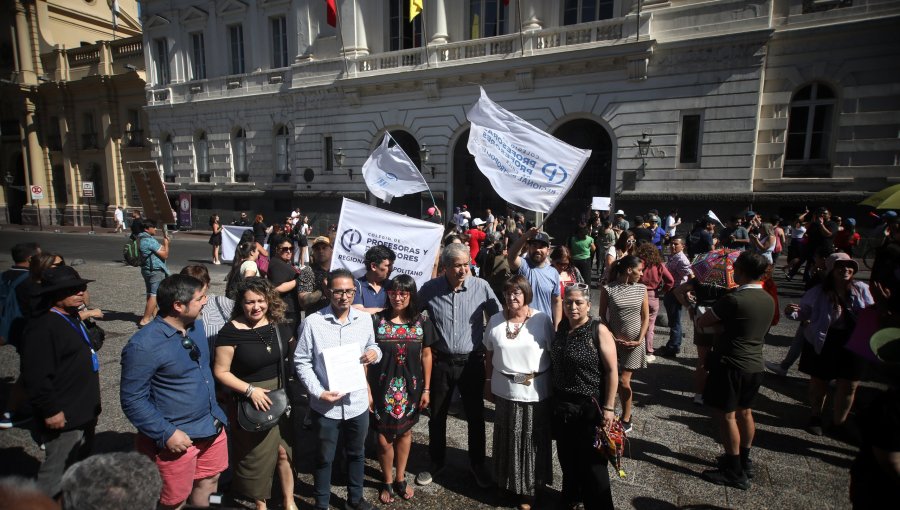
(809, 131)
(168, 158)
(201, 156)
(282, 159)
(239, 155)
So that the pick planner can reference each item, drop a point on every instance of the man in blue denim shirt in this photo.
(168, 393)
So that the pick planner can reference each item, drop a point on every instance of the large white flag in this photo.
(526, 166)
(416, 242)
(390, 173)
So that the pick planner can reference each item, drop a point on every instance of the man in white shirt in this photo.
(332, 411)
(120, 219)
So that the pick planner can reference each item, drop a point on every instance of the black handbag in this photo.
(252, 419)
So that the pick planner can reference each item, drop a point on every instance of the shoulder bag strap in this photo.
(280, 357)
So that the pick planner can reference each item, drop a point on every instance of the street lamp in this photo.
(644, 145)
(339, 159)
(424, 151)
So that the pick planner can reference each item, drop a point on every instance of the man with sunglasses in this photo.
(332, 411)
(168, 393)
(60, 369)
(535, 267)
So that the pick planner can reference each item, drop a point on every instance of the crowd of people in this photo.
(216, 384)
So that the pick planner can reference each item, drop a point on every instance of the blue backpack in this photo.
(9, 305)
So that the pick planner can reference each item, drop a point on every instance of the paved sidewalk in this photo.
(672, 442)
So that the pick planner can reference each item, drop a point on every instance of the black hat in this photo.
(59, 278)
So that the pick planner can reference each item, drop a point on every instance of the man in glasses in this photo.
(60, 369)
(168, 393)
(334, 412)
(312, 292)
(535, 267)
(371, 288)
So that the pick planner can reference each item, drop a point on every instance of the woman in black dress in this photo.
(247, 362)
(216, 238)
(400, 383)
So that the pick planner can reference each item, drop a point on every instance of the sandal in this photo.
(386, 488)
(403, 489)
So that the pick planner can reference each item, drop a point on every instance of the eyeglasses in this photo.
(514, 293)
(189, 345)
(399, 293)
(343, 292)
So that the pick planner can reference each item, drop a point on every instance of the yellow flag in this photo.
(415, 8)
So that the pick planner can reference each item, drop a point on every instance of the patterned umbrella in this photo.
(716, 267)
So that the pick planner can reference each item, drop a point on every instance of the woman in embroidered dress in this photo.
(400, 382)
(247, 362)
(518, 342)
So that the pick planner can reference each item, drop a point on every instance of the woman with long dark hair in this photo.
(400, 384)
(249, 351)
(243, 266)
(216, 238)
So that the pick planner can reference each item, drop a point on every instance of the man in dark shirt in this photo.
(168, 393)
(641, 233)
(819, 233)
(312, 293)
(736, 366)
(736, 236)
(60, 370)
(285, 278)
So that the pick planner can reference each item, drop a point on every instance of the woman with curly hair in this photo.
(658, 280)
(247, 362)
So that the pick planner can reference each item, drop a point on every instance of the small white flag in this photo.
(526, 166)
(711, 215)
(390, 173)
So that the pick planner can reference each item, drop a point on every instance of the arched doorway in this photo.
(410, 205)
(594, 179)
(470, 186)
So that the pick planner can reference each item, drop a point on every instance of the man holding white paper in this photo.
(324, 340)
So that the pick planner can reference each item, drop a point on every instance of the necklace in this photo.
(514, 332)
(267, 343)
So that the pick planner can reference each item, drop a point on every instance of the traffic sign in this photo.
(37, 192)
(87, 189)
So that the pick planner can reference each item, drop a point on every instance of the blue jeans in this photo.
(673, 311)
(326, 432)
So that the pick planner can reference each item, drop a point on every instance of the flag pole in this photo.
(521, 33)
(424, 35)
(340, 31)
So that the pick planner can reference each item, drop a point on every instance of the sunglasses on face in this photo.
(189, 345)
(343, 292)
(285, 248)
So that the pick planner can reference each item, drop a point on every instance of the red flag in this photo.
(332, 12)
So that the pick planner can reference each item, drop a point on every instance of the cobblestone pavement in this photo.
(672, 442)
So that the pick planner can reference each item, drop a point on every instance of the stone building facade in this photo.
(739, 103)
(72, 108)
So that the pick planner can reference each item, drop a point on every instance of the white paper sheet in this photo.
(345, 372)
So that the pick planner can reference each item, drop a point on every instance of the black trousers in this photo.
(585, 475)
(447, 375)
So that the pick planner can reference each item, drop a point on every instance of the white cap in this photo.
(477, 222)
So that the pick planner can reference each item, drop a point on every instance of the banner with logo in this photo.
(526, 166)
(416, 242)
(390, 173)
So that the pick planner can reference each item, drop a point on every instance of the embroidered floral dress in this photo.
(397, 382)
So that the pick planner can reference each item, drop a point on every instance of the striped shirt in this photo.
(320, 331)
(459, 315)
(680, 268)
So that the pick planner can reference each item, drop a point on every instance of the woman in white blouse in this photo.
(518, 361)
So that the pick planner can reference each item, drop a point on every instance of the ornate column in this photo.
(26, 70)
(436, 16)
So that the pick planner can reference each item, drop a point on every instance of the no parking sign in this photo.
(37, 192)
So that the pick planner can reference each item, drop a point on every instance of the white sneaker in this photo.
(775, 368)
(698, 399)
(651, 358)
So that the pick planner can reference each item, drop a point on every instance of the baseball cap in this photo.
(541, 237)
(321, 239)
(840, 258)
(850, 221)
(749, 214)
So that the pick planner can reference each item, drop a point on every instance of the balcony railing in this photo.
(317, 72)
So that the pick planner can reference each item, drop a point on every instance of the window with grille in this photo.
(584, 11)
(236, 49)
(404, 34)
(279, 42)
(487, 18)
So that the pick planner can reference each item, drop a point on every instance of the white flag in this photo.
(390, 173)
(711, 215)
(361, 226)
(526, 166)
